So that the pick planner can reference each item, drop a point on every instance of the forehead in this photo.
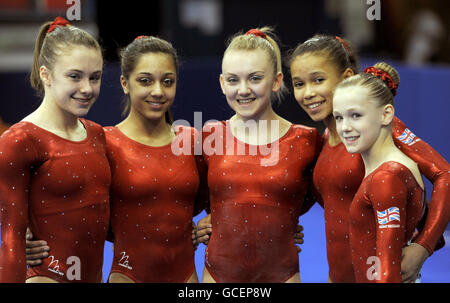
(235, 61)
(312, 62)
(352, 96)
(80, 58)
(155, 62)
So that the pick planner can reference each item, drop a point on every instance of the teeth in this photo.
(351, 138)
(312, 106)
(245, 101)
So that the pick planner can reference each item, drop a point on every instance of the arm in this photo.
(387, 191)
(16, 156)
(436, 169)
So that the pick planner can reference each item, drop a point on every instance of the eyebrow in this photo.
(150, 74)
(81, 72)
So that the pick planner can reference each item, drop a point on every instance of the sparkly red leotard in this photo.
(255, 204)
(338, 175)
(60, 189)
(383, 215)
(153, 191)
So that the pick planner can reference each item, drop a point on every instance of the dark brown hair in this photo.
(49, 46)
(343, 55)
(130, 55)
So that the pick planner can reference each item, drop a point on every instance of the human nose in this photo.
(86, 87)
(243, 89)
(309, 91)
(157, 91)
(345, 125)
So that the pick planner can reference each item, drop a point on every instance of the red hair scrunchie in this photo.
(384, 76)
(256, 32)
(141, 37)
(59, 21)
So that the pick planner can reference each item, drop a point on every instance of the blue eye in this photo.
(356, 115)
(338, 118)
(319, 80)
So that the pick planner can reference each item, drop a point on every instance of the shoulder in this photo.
(93, 127)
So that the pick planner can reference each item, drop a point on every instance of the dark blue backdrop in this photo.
(422, 103)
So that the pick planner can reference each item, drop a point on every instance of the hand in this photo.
(298, 237)
(194, 236)
(413, 257)
(35, 251)
(204, 230)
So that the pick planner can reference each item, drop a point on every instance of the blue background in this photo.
(422, 103)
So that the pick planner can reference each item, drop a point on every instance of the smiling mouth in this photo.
(246, 101)
(351, 139)
(81, 100)
(315, 105)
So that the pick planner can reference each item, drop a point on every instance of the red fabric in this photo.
(391, 185)
(338, 175)
(254, 207)
(141, 37)
(60, 189)
(152, 205)
(59, 21)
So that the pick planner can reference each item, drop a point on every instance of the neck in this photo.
(60, 119)
(330, 123)
(139, 126)
(380, 151)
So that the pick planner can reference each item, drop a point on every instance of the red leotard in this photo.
(152, 206)
(60, 189)
(338, 175)
(383, 215)
(255, 206)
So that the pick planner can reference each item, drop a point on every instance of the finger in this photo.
(204, 232)
(298, 249)
(299, 228)
(32, 244)
(29, 234)
(37, 256)
(34, 262)
(299, 241)
(203, 239)
(299, 235)
(203, 225)
(37, 250)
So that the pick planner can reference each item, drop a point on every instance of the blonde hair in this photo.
(49, 46)
(378, 89)
(268, 44)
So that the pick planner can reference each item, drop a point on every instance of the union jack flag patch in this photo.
(407, 137)
(388, 215)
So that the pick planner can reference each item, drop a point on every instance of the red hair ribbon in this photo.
(344, 44)
(141, 37)
(387, 79)
(256, 32)
(59, 21)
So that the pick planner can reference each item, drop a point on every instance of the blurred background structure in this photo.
(413, 35)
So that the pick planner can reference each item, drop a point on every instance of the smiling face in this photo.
(359, 118)
(314, 77)
(74, 82)
(151, 85)
(247, 81)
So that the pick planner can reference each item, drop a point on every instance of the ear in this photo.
(45, 75)
(278, 82)
(388, 114)
(124, 84)
(221, 83)
(348, 73)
